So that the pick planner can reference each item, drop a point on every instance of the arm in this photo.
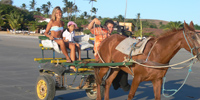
(47, 31)
(64, 35)
(65, 40)
(94, 21)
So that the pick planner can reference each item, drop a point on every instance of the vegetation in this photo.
(32, 5)
(9, 2)
(172, 25)
(1, 20)
(92, 11)
(22, 17)
(148, 34)
(86, 32)
(14, 20)
(197, 27)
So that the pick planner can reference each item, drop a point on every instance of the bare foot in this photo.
(73, 68)
(69, 60)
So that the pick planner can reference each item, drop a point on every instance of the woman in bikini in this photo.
(56, 27)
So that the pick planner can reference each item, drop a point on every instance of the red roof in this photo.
(198, 31)
(39, 17)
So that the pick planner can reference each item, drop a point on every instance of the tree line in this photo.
(22, 17)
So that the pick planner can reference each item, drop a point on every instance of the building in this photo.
(128, 26)
(42, 19)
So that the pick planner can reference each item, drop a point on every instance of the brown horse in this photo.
(165, 48)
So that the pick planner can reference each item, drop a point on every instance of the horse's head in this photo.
(192, 39)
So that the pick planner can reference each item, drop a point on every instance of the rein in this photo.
(189, 70)
(171, 66)
(107, 74)
(167, 66)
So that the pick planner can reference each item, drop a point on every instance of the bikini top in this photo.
(56, 28)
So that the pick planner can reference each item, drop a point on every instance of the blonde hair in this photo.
(53, 16)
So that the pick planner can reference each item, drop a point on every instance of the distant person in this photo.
(68, 36)
(56, 27)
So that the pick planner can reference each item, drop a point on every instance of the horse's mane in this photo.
(167, 33)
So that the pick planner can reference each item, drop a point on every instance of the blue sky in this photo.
(168, 10)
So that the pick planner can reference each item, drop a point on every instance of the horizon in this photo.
(155, 9)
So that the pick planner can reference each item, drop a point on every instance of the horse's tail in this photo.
(96, 73)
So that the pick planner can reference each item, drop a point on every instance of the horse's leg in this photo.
(109, 83)
(157, 88)
(98, 92)
(134, 86)
(99, 76)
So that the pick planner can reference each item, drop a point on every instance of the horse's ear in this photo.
(186, 27)
(192, 25)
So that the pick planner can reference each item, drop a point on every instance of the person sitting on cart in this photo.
(68, 37)
(55, 25)
(100, 33)
(121, 79)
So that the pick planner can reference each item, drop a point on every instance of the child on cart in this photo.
(68, 37)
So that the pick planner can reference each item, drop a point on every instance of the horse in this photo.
(164, 49)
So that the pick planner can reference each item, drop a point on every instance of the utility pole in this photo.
(140, 28)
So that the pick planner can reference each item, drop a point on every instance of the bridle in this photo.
(194, 46)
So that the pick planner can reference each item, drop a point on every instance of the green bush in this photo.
(197, 27)
(148, 34)
(86, 32)
(114, 32)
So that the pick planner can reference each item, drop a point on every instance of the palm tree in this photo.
(1, 19)
(32, 5)
(85, 14)
(173, 25)
(49, 5)
(44, 6)
(10, 2)
(46, 11)
(14, 20)
(92, 6)
(138, 18)
(23, 6)
(100, 18)
(65, 8)
(120, 18)
(38, 11)
(75, 10)
(68, 8)
(65, 2)
(94, 10)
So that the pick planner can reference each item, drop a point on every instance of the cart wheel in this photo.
(93, 94)
(45, 87)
